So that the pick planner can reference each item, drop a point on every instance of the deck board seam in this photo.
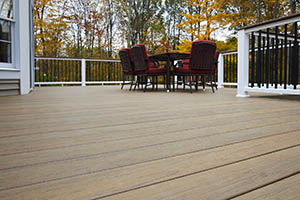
(124, 124)
(264, 185)
(201, 171)
(88, 143)
(176, 155)
(167, 180)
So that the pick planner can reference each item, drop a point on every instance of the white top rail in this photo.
(78, 59)
(228, 53)
(272, 23)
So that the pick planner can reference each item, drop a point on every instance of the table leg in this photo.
(168, 75)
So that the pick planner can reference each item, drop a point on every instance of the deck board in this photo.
(286, 189)
(139, 175)
(225, 182)
(85, 143)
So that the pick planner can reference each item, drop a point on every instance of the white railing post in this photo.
(83, 69)
(221, 71)
(243, 63)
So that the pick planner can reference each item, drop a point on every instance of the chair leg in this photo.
(216, 81)
(212, 86)
(173, 83)
(196, 85)
(146, 83)
(203, 82)
(137, 82)
(191, 89)
(123, 83)
(183, 81)
(156, 82)
(131, 83)
(153, 83)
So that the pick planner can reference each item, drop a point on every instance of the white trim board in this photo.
(273, 91)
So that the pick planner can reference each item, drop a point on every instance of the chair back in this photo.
(126, 60)
(144, 50)
(202, 55)
(138, 59)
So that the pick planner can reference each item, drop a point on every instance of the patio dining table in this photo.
(169, 58)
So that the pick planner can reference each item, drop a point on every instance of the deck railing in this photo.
(74, 71)
(268, 57)
(227, 69)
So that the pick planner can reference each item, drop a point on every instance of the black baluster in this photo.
(225, 68)
(290, 62)
(285, 56)
(234, 68)
(252, 58)
(281, 65)
(272, 62)
(276, 56)
(263, 62)
(295, 67)
(258, 61)
(268, 58)
(231, 69)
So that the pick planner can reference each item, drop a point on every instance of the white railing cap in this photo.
(272, 23)
(77, 59)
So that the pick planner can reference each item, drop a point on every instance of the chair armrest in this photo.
(155, 62)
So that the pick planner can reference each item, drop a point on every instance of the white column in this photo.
(221, 71)
(83, 69)
(243, 63)
(24, 51)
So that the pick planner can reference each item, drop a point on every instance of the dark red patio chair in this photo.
(201, 63)
(185, 63)
(145, 68)
(127, 65)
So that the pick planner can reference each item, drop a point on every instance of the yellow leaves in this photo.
(48, 27)
(185, 47)
(203, 22)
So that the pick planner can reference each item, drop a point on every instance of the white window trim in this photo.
(13, 22)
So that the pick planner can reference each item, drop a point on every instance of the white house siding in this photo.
(16, 78)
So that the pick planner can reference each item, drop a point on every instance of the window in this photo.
(6, 31)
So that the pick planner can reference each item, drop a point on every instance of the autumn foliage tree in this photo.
(49, 28)
(99, 28)
(203, 23)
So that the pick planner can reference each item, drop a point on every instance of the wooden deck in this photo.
(104, 143)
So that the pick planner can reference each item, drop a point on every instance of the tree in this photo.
(172, 10)
(136, 18)
(201, 24)
(48, 28)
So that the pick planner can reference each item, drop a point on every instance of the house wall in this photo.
(17, 79)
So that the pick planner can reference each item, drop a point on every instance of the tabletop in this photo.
(170, 56)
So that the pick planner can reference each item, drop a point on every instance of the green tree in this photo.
(172, 17)
(136, 17)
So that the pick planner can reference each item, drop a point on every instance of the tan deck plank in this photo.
(287, 189)
(88, 107)
(224, 182)
(191, 140)
(131, 154)
(153, 133)
(83, 143)
(127, 178)
(50, 123)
